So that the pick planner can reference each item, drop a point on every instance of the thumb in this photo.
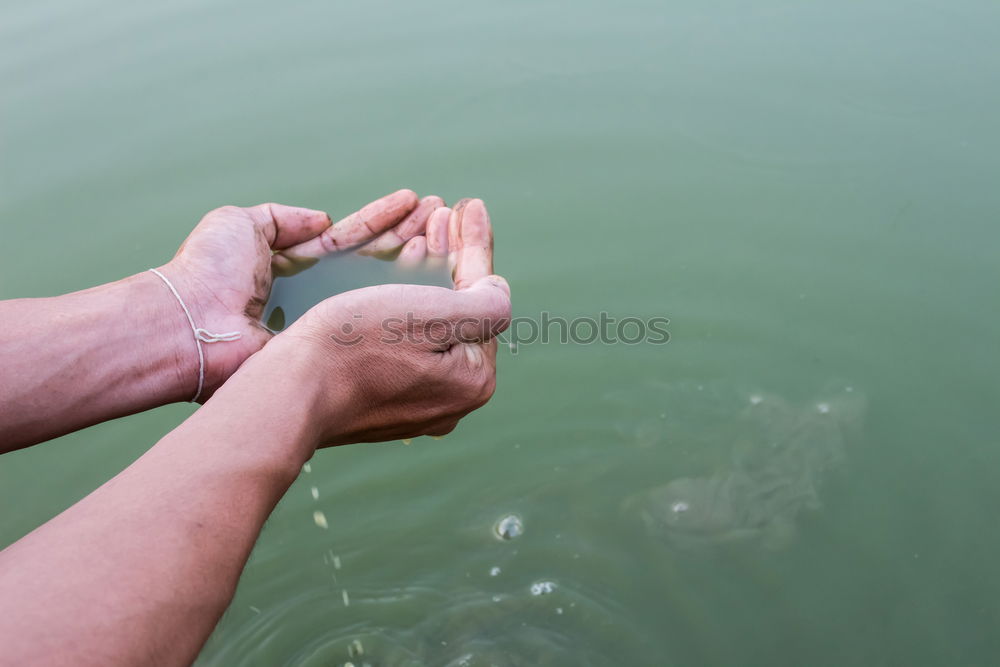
(481, 311)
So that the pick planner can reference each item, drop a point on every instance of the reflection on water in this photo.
(779, 453)
(564, 590)
(537, 624)
(292, 296)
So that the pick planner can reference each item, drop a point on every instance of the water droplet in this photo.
(407, 441)
(320, 520)
(336, 562)
(494, 571)
(347, 598)
(542, 588)
(508, 527)
(679, 506)
(307, 468)
(756, 399)
(315, 493)
(559, 610)
(823, 408)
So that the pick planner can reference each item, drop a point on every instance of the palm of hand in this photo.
(226, 265)
(225, 268)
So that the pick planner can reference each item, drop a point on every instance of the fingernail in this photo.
(473, 354)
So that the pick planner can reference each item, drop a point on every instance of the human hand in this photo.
(429, 243)
(398, 361)
(224, 269)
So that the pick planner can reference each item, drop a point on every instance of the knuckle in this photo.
(328, 242)
(471, 382)
(488, 389)
(503, 303)
(443, 430)
(499, 305)
(482, 388)
(228, 210)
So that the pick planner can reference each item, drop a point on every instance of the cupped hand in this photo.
(398, 361)
(225, 268)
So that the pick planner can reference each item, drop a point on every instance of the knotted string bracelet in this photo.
(200, 335)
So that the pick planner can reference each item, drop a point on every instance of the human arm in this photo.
(140, 570)
(82, 358)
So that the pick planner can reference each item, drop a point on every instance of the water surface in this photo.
(808, 192)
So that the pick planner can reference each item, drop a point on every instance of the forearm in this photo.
(82, 358)
(140, 571)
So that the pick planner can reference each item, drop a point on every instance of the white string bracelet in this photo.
(200, 335)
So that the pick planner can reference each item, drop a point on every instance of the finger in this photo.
(442, 429)
(357, 228)
(476, 364)
(477, 313)
(388, 244)
(413, 253)
(477, 355)
(470, 254)
(437, 232)
(470, 243)
(471, 354)
(285, 226)
(490, 349)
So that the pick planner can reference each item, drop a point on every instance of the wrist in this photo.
(204, 364)
(160, 329)
(277, 399)
(120, 349)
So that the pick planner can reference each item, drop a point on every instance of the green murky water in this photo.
(808, 192)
